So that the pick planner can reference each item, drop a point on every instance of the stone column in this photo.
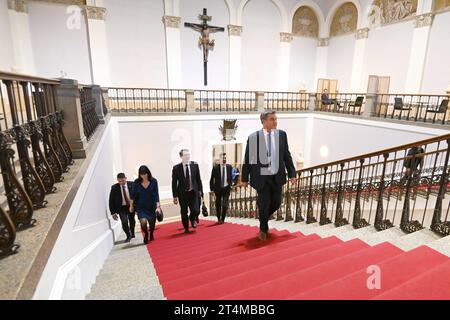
(98, 46)
(190, 101)
(21, 37)
(68, 98)
(173, 51)
(312, 101)
(321, 59)
(369, 107)
(97, 95)
(234, 33)
(358, 60)
(422, 27)
(260, 101)
(285, 56)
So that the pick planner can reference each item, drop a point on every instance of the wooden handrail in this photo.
(4, 75)
(381, 152)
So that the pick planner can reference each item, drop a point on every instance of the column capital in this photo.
(362, 33)
(18, 5)
(323, 42)
(171, 21)
(234, 30)
(286, 37)
(423, 20)
(95, 13)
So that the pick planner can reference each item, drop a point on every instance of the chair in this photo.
(357, 104)
(399, 105)
(442, 108)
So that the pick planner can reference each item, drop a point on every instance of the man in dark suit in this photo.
(326, 101)
(220, 183)
(266, 160)
(119, 205)
(187, 189)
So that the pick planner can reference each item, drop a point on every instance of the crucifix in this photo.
(204, 41)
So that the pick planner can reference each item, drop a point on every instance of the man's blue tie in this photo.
(271, 153)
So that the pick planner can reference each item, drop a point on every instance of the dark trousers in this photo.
(189, 201)
(128, 222)
(269, 200)
(222, 200)
(152, 223)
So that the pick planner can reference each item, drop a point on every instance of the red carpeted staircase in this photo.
(228, 262)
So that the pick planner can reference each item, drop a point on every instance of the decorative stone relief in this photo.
(286, 37)
(171, 21)
(424, 20)
(391, 11)
(362, 33)
(18, 5)
(323, 42)
(234, 30)
(95, 13)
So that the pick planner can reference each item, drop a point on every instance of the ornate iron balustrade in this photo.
(30, 130)
(418, 108)
(140, 100)
(224, 101)
(347, 103)
(89, 115)
(372, 189)
(286, 101)
(412, 107)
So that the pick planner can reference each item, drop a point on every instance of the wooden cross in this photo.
(204, 41)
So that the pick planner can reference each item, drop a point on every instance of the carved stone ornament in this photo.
(362, 33)
(234, 30)
(323, 42)
(18, 5)
(286, 37)
(171, 21)
(95, 13)
(424, 20)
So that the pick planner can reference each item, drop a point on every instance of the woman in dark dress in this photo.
(145, 200)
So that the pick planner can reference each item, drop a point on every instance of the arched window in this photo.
(441, 5)
(345, 20)
(305, 23)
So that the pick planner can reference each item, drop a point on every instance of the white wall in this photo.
(436, 77)
(347, 138)
(87, 235)
(340, 60)
(136, 43)
(387, 54)
(7, 50)
(302, 69)
(55, 46)
(192, 55)
(261, 22)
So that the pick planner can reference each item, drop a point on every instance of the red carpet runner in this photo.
(228, 262)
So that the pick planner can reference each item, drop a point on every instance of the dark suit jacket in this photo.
(215, 183)
(115, 197)
(179, 180)
(256, 160)
(326, 99)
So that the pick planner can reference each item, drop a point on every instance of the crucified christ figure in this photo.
(204, 42)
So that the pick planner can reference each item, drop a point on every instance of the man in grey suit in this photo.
(267, 158)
